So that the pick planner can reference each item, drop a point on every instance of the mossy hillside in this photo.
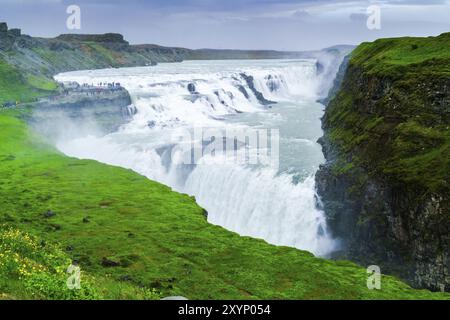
(41, 56)
(27, 73)
(398, 127)
(28, 64)
(17, 87)
(87, 55)
(120, 226)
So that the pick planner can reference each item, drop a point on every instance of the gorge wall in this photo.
(385, 185)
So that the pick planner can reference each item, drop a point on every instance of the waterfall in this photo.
(277, 204)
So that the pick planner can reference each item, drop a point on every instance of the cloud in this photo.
(416, 2)
(358, 17)
(252, 24)
(301, 15)
(22, 2)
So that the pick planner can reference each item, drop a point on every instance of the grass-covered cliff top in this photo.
(17, 87)
(134, 237)
(392, 113)
(395, 56)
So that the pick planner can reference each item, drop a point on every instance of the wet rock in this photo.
(191, 88)
(320, 68)
(243, 91)
(250, 83)
(273, 84)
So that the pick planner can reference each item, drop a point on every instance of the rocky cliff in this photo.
(77, 112)
(385, 185)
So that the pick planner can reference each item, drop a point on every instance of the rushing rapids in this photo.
(277, 203)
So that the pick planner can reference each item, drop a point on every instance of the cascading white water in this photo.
(274, 208)
(275, 204)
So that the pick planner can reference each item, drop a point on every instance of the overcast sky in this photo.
(235, 24)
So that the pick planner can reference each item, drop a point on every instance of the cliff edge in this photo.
(386, 184)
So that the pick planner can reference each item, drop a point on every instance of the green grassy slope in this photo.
(15, 87)
(394, 57)
(30, 62)
(126, 230)
(41, 56)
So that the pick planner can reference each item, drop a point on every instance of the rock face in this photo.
(258, 95)
(15, 32)
(78, 111)
(4, 38)
(385, 185)
(105, 38)
(191, 88)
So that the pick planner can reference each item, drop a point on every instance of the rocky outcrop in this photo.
(251, 85)
(7, 36)
(385, 185)
(76, 112)
(15, 32)
(101, 38)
